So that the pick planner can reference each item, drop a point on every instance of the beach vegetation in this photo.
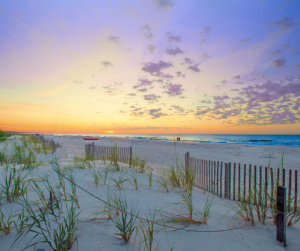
(148, 232)
(105, 175)
(150, 176)
(96, 175)
(119, 183)
(124, 222)
(134, 180)
(6, 222)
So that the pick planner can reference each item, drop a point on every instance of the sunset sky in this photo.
(150, 66)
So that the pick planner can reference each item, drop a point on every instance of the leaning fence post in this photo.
(281, 215)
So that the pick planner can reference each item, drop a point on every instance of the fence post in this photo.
(281, 215)
(221, 179)
(295, 194)
(130, 158)
(187, 166)
(93, 150)
(226, 182)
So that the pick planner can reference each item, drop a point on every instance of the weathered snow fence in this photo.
(121, 154)
(236, 183)
(281, 215)
(54, 145)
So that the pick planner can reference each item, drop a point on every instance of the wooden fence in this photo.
(122, 154)
(54, 145)
(236, 181)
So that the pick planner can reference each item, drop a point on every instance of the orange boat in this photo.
(89, 138)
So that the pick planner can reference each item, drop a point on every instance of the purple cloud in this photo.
(174, 51)
(172, 38)
(174, 89)
(163, 3)
(115, 39)
(276, 52)
(207, 30)
(143, 90)
(147, 31)
(284, 23)
(151, 48)
(279, 62)
(245, 40)
(236, 77)
(298, 65)
(156, 67)
(155, 113)
(143, 82)
(201, 112)
(194, 68)
(224, 81)
(202, 41)
(131, 94)
(106, 63)
(178, 108)
(187, 61)
(220, 98)
(151, 97)
(178, 73)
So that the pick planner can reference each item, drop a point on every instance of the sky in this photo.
(150, 66)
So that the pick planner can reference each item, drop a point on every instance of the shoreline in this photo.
(162, 153)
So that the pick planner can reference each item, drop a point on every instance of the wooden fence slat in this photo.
(226, 182)
(221, 179)
(218, 178)
(283, 176)
(214, 177)
(250, 172)
(254, 183)
(266, 186)
(229, 181)
(272, 182)
(296, 187)
(260, 184)
(290, 188)
(209, 177)
(234, 171)
(239, 181)
(245, 167)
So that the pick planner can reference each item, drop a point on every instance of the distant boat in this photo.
(89, 138)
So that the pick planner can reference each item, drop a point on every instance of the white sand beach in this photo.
(99, 234)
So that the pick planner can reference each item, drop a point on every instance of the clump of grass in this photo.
(114, 156)
(150, 174)
(119, 183)
(134, 180)
(83, 162)
(148, 232)
(124, 222)
(163, 183)
(73, 193)
(187, 214)
(6, 222)
(96, 175)
(106, 210)
(142, 165)
(104, 176)
(41, 225)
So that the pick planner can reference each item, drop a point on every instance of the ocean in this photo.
(245, 139)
